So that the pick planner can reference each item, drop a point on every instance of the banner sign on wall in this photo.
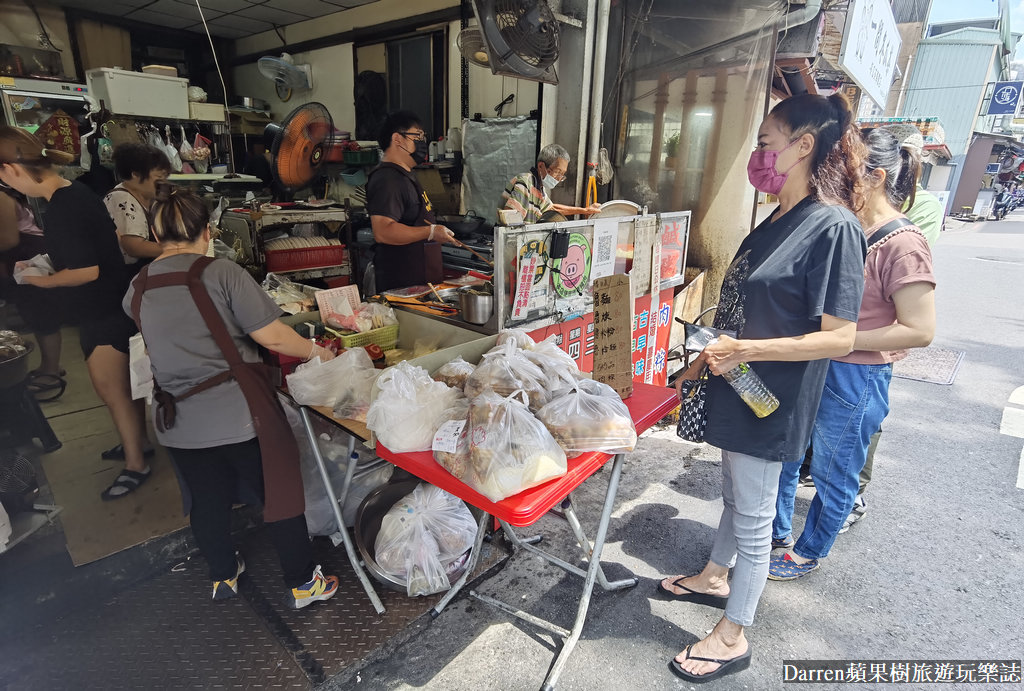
(871, 44)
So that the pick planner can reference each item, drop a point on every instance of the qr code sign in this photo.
(603, 251)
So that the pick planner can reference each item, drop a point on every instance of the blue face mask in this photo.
(549, 182)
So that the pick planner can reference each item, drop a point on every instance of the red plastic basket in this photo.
(305, 258)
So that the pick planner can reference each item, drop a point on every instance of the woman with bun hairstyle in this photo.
(91, 276)
(216, 410)
(792, 294)
(898, 312)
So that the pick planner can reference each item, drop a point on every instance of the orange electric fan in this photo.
(297, 145)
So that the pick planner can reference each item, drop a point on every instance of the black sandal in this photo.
(129, 481)
(116, 453)
(43, 386)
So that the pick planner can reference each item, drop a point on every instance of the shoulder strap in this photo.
(214, 322)
(890, 227)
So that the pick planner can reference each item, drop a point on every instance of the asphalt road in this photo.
(932, 572)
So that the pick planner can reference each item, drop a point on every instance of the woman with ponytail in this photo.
(898, 312)
(216, 410)
(91, 278)
(791, 294)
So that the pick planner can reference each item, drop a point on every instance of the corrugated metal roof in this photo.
(949, 81)
(908, 11)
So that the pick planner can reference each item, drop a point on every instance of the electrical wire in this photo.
(42, 27)
(224, 88)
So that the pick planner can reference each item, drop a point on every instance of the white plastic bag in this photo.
(421, 536)
(325, 383)
(409, 408)
(510, 449)
(455, 373)
(140, 370)
(555, 363)
(589, 416)
(39, 265)
(185, 149)
(519, 336)
(451, 442)
(171, 151)
(505, 370)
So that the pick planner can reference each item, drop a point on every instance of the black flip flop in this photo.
(116, 453)
(130, 480)
(43, 386)
(735, 664)
(691, 595)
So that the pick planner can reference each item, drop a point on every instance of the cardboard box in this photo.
(211, 112)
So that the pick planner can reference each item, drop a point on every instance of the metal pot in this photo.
(462, 226)
(368, 519)
(476, 306)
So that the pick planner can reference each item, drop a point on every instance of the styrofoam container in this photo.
(135, 93)
(212, 112)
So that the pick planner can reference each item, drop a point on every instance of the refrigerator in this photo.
(31, 103)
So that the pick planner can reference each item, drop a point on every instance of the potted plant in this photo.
(671, 148)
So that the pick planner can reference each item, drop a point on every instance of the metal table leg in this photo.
(350, 550)
(474, 557)
(592, 574)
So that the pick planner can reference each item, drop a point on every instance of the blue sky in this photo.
(945, 10)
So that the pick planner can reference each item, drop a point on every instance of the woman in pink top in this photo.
(897, 312)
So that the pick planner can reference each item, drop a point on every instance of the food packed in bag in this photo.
(409, 408)
(509, 448)
(589, 416)
(455, 373)
(423, 538)
(504, 370)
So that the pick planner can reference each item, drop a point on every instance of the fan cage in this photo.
(299, 146)
(530, 30)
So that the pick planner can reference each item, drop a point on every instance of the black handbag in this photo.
(693, 416)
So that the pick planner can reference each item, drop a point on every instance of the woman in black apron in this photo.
(216, 410)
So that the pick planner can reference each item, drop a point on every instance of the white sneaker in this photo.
(859, 509)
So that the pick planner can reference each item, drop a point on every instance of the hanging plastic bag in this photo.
(455, 373)
(201, 153)
(409, 408)
(171, 151)
(510, 449)
(185, 149)
(423, 538)
(505, 370)
(589, 416)
(604, 172)
(325, 383)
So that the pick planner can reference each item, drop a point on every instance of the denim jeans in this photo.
(743, 540)
(853, 404)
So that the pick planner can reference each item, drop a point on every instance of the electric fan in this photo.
(297, 145)
(521, 38)
(285, 74)
(471, 45)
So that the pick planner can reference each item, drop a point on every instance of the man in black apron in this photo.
(408, 250)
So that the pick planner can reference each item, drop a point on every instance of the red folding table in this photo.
(647, 405)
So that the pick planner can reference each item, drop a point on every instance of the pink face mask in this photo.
(763, 174)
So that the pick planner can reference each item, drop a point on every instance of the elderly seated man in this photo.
(528, 193)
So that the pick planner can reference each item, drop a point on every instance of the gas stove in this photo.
(460, 259)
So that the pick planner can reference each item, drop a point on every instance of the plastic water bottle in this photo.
(752, 390)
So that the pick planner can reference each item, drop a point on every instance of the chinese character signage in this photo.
(1005, 97)
(871, 45)
(613, 318)
(60, 132)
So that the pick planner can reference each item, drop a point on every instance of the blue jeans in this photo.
(853, 404)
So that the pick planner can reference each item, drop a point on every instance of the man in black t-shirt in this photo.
(408, 250)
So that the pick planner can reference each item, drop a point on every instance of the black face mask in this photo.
(419, 154)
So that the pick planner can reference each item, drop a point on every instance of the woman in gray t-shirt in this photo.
(207, 400)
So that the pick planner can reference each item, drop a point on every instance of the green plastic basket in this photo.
(386, 337)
